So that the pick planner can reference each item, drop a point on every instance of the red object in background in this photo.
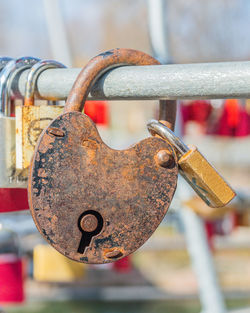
(13, 199)
(229, 118)
(200, 111)
(97, 111)
(197, 111)
(221, 227)
(243, 128)
(11, 279)
(232, 108)
(185, 113)
(123, 265)
(234, 121)
(210, 234)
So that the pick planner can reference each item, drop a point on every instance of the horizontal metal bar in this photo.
(176, 81)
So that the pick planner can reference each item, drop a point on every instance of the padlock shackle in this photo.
(4, 61)
(157, 128)
(34, 72)
(11, 69)
(102, 63)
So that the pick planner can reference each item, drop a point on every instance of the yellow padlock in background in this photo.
(51, 266)
(31, 119)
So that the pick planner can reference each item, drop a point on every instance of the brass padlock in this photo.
(9, 176)
(197, 171)
(92, 203)
(31, 119)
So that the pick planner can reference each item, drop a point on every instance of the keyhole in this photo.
(90, 224)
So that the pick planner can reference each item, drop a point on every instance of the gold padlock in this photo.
(31, 119)
(198, 172)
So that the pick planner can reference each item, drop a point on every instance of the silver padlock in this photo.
(4, 61)
(5, 128)
(9, 177)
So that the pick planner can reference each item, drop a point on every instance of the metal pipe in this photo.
(211, 296)
(175, 81)
(157, 24)
(57, 34)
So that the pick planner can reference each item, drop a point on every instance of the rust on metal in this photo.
(56, 131)
(165, 158)
(77, 175)
(31, 119)
(114, 254)
(103, 62)
(30, 122)
(127, 188)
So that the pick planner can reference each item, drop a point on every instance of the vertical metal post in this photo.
(57, 34)
(211, 297)
(157, 13)
(210, 294)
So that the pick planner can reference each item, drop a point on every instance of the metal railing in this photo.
(175, 81)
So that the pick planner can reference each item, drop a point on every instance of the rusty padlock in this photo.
(198, 172)
(92, 203)
(31, 119)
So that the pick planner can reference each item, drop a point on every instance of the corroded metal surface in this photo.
(77, 172)
(103, 62)
(92, 203)
(30, 121)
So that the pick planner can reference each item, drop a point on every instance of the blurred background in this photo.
(167, 273)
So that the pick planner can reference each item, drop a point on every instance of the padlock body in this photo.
(9, 176)
(73, 171)
(30, 121)
(204, 179)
